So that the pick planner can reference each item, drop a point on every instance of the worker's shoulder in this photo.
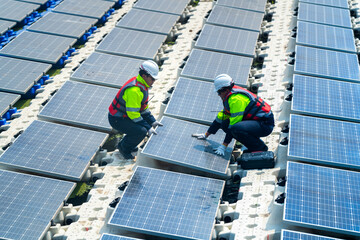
(133, 89)
(239, 97)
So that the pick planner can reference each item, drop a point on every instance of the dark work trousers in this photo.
(135, 133)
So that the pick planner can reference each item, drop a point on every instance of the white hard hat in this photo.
(221, 81)
(151, 68)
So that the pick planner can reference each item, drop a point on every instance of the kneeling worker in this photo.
(129, 112)
(245, 117)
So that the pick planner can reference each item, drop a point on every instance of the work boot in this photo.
(125, 154)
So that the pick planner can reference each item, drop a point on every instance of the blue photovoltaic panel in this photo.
(169, 204)
(324, 141)
(5, 25)
(80, 104)
(327, 37)
(18, 76)
(106, 236)
(176, 7)
(6, 101)
(323, 198)
(63, 25)
(204, 65)
(16, 10)
(38, 47)
(28, 203)
(53, 150)
(236, 18)
(292, 235)
(326, 98)
(85, 8)
(227, 40)
(41, 2)
(106, 69)
(148, 21)
(330, 3)
(324, 15)
(253, 5)
(174, 144)
(126, 42)
(325, 63)
(186, 99)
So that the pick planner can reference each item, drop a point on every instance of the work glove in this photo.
(200, 136)
(220, 150)
(156, 123)
(151, 131)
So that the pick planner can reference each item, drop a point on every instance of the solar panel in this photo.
(106, 236)
(236, 18)
(41, 2)
(327, 37)
(148, 21)
(85, 8)
(176, 7)
(174, 144)
(108, 70)
(204, 65)
(253, 5)
(5, 25)
(227, 40)
(324, 15)
(330, 3)
(126, 42)
(63, 25)
(38, 47)
(80, 104)
(18, 76)
(53, 150)
(164, 203)
(6, 101)
(326, 98)
(323, 198)
(293, 235)
(324, 141)
(325, 63)
(15, 10)
(186, 99)
(28, 203)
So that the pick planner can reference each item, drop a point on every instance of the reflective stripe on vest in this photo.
(256, 109)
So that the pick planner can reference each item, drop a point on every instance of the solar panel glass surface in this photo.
(254, 5)
(170, 6)
(6, 101)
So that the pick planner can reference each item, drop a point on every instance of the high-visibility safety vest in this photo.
(118, 105)
(255, 110)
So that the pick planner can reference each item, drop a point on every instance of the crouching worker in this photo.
(245, 117)
(129, 112)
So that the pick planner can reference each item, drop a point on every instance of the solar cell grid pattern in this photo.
(327, 37)
(16, 10)
(53, 150)
(292, 235)
(320, 140)
(38, 47)
(330, 3)
(227, 40)
(186, 100)
(6, 101)
(106, 236)
(6, 25)
(170, 6)
(148, 21)
(174, 144)
(206, 65)
(18, 76)
(326, 98)
(86, 8)
(80, 104)
(63, 25)
(236, 18)
(254, 5)
(106, 69)
(326, 63)
(164, 203)
(28, 203)
(324, 15)
(35, 1)
(323, 198)
(126, 42)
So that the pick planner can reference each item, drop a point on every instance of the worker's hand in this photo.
(151, 131)
(156, 123)
(200, 136)
(220, 150)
